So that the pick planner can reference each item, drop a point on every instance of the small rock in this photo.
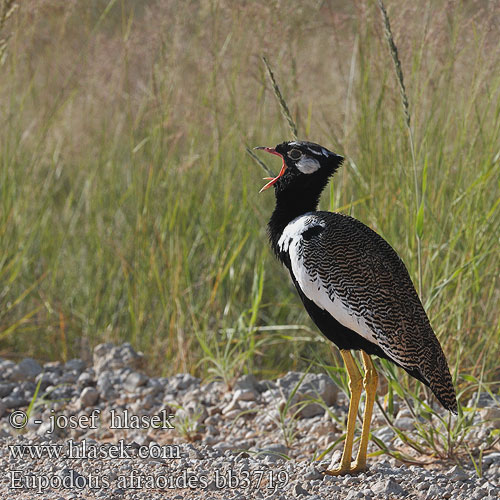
(27, 369)
(492, 458)
(299, 490)
(484, 400)
(490, 415)
(404, 423)
(385, 434)
(267, 385)
(313, 386)
(322, 427)
(153, 387)
(69, 377)
(146, 403)
(233, 405)
(45, 379)
(110, 357)
(135, 380)
(6, 389)
(247, 382)
(273, 452)
(457, 474)
(223, 447)
(53, 367)
(245, 395)
(61, 392)
(85, 379)
(77, 479)
(45, 428)
(105, 386)
(89, 397)
(434, 493)
(74, 365)
(312, 473)
(421, 485)
(14, 402)
(354, 495)
(182, 381)
(193, 412)
(6, 365)
(193, 452)
(211, 486)
(388, 487)
(30, 368)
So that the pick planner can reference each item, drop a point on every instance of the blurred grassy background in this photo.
(129, 210)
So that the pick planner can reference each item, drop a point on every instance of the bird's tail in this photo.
(441, 383)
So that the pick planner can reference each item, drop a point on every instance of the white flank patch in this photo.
(308, 165)
(312, 287)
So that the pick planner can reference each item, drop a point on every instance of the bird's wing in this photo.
(350, 271)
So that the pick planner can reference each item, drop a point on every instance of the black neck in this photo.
(289, 206)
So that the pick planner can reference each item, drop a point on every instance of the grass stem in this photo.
(406, 110)
(283, 105)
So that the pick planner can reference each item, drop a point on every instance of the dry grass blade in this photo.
(397, 62)
(6, 9)
(259, 161)
(406, 110)
(284, 108)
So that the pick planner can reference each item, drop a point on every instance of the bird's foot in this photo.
(354, 468)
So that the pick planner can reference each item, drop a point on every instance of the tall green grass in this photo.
(129, 209)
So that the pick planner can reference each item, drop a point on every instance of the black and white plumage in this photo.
(352, 283)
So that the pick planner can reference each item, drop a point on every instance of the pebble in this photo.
(457, 474)
(135, 380)
(6, 389)
(491, 414)
(299, 490)
(312, 386)
(245, 395)
(74, 365)
(89, 397)
(434, 493)
(248, 383)
(27, 369)
(404, 423)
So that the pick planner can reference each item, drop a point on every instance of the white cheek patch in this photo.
(308, 165)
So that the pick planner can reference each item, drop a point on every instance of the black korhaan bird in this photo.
(353, 285)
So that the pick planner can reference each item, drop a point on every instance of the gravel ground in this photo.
(109, 431)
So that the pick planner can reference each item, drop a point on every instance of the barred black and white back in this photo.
(359, 293)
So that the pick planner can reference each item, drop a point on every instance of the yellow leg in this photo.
(355, 384)
(370, 383)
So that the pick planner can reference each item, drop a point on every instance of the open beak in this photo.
(272, 180)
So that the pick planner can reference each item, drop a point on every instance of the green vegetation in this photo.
(129, 209)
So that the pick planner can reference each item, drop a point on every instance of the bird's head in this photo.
(305, 165)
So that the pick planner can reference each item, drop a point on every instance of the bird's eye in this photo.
(294, 154)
